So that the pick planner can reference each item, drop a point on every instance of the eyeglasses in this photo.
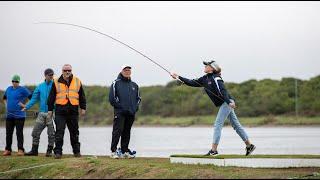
(50, 75)
(15, 81)
(67, 70)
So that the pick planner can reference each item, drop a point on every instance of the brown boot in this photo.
(20, 152)
(6, 153)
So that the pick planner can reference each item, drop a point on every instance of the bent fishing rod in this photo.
(75, 25)
(90, 29)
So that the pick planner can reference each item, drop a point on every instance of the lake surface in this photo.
(164, 141)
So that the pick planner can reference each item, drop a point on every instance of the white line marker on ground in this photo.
(28, 168)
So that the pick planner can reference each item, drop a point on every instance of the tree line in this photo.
(253, 98)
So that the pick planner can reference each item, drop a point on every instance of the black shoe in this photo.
(77, 155)
(49, 151)
(250, 149)
(212, 153)
(33, 152)
(57, 156)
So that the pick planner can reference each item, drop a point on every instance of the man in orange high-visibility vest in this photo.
(66, 96)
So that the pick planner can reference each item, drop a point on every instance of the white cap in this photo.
(125, 66)
(215, 66)
(212, 64)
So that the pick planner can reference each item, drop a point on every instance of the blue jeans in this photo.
(227, 112)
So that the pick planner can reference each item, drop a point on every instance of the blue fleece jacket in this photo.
(14, 96)
(41, 94)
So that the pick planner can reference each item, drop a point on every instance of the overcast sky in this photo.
(250, 40)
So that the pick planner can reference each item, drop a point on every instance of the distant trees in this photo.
(253, 98)
(309, 96)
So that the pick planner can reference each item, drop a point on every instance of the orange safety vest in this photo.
(65, 93)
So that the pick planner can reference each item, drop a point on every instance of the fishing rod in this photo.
(90, 29)
(75, 25)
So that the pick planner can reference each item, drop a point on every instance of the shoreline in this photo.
(205, 121)
(193, 126)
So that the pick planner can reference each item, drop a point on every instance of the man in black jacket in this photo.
(124, 96)
(66, 96)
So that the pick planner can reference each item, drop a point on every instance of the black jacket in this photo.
(124, 95)
(67, 109)
(214, 87)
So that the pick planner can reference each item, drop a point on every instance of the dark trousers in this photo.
(72, 122)
(10, 124)
(122, 124)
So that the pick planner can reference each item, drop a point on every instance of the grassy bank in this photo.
(104, 167)
(202, 121)
(246, 121)
(208, 121)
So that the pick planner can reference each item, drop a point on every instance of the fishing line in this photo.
(90, 29)
(38, 166)
(111, 38)
(32, 167)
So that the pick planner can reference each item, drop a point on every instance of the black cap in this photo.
(48, 71)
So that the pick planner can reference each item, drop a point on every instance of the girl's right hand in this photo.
(174, 75)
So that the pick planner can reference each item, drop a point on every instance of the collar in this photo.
(61, 80)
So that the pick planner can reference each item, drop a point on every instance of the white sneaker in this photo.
(114, 155)
(129, 155)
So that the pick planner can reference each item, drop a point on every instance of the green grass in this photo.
(202, 121)
(235, 156)
(150, 168)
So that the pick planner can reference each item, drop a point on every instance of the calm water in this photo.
(164, 141)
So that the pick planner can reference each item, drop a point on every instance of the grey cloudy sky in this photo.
(250, 40)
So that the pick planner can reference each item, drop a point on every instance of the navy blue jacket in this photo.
(214, 87)
(124, 95)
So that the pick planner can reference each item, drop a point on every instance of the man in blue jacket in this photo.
(41, 94)
(124, 96)
(13, 96)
